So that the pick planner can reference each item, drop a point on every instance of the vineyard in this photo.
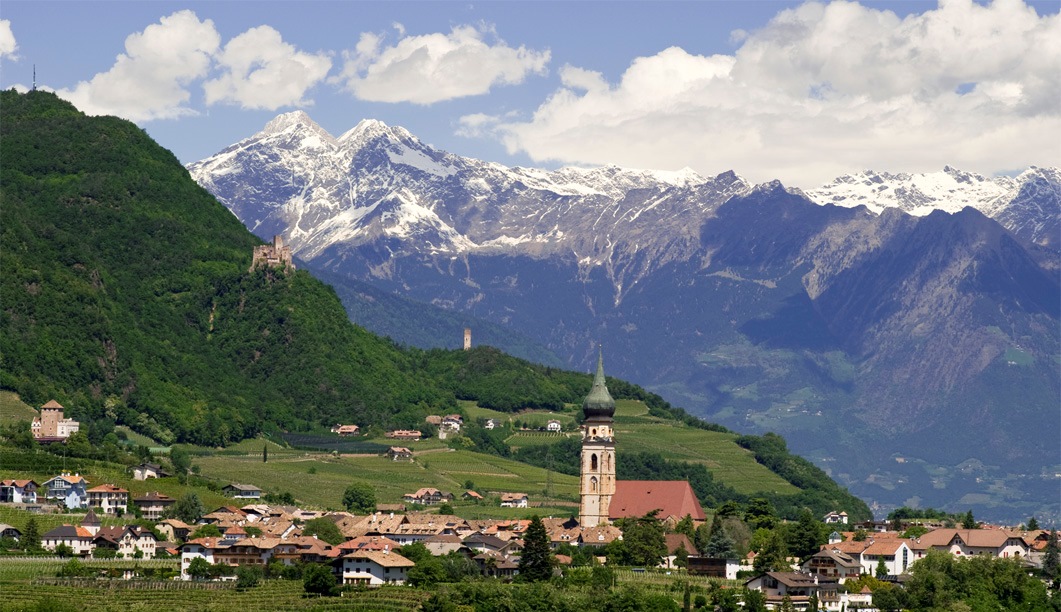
(332, 443)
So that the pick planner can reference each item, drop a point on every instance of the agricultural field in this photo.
(13, 409)
(29, 584)
(319, 480)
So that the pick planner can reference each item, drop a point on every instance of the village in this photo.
(381, 545)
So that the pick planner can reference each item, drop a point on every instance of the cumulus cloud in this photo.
(150, 80)
(821, 90)
(261, 71)
(436, 67)
(8, 45)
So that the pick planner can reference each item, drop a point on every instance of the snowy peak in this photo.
(296, 123)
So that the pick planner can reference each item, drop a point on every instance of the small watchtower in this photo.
(467, 338)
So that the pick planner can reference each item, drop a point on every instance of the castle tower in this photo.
(467, 338)
(51, 415)
(597, 482)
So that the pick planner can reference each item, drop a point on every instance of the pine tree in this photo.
(536, 562)
(968, 521)
(1052, 558)
(265, 453)
(882, 569)
(31, 535)
(1033, 524)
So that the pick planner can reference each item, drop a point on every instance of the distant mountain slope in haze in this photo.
(883, 344)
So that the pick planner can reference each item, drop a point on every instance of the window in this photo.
(593, 484)
(593, 462)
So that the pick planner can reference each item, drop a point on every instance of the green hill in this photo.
(127, 296)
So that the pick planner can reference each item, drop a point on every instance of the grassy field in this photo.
(12, 409)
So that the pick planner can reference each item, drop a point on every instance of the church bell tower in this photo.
(597, 483)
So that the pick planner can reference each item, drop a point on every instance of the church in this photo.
(604, 499)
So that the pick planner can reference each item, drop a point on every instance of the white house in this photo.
(201, 548)
(514, 500)
(109, 499)
(78, 539)
(896, 554)
(242, 491)
(553, 426)
(835, 518)
(18, 491)
(148, 470)
(127, 541)
(375, 567)
(966, 542)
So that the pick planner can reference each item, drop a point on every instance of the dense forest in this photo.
(128, 297)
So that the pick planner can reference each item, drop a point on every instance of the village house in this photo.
(51, 426)
(838, 518)
(675, 542)
(7, 531)
(472, 495)
(18, 491)
(713, 567)
(200, 548)
(428, 496)
(514, 500)
(452, 422)
(78, 539)
(242, 491)
(175, 529)
(411, 435)
(71, 491)
(148, 470)
(967, 542)
(109, 499)
(153, 505)
(895, 553)
(496, 565)
(553, 425)
(833, 565)
(399, 453)
(491, 424)
(346, 430)
(443, 544)
(128, 541)
(798, 587)
(374, 567)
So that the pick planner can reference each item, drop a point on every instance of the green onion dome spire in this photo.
(599, 403)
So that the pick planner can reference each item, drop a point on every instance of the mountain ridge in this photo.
(753, 305)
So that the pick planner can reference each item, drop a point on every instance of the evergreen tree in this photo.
(968, 522)
(720, 546)
(188, 508)
(882, 569)
(1052, 558)
(1033, 524)
(806, 537)
(536, 562)
(265, 453)
(319, 579)
(812, 603)
(754, 601)
(31, 535)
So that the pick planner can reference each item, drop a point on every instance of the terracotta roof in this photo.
(154, 496)
(385, 559)
(978, 538)
(16, 483)
(52, 404)
(107, 488)
(679, 540)
(886, 547)
(369, 543)
(673, 498)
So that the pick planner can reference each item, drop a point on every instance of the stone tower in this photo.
(597, 482)
(467, 338)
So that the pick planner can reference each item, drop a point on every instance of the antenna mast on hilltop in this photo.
(34, 77)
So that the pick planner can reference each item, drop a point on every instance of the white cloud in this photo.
(821, 90)
(149, 81)
(435, 67)
(8, 45)
(264, 72)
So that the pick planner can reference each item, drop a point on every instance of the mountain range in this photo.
(129, 295)
(901, 330)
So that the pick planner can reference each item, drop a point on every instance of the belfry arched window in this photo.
(593, 484)
(593, 462)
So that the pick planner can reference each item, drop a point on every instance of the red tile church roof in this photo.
(673, 498)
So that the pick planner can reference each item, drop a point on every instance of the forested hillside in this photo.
(128, 297)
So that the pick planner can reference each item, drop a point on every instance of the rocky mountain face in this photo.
(887, 325)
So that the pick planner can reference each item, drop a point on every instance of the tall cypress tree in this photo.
(536, 562)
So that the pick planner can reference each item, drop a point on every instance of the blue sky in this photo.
(801, 91)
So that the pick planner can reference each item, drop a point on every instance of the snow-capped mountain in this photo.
(378, 184)
(877, 324)
(1028, 205)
